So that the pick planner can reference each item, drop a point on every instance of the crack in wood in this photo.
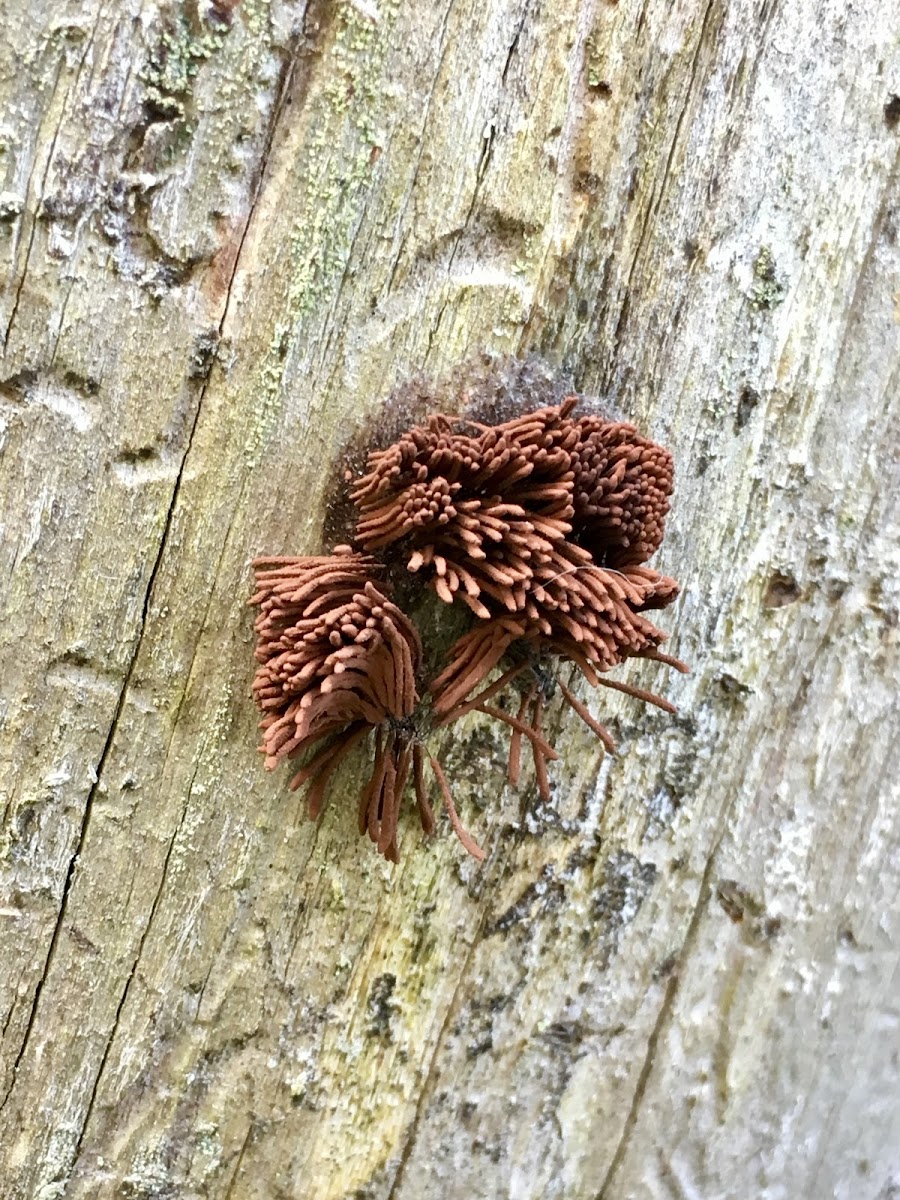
(401, 216)
(653, 208)
(67, 887)
(426, 1085)
(124, 691)
(125, 992)
(663, 1018)
(278, 109)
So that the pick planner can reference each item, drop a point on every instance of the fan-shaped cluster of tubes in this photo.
(540, 526)
(338, 660)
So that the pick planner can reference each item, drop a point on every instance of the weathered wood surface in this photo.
(227, 231)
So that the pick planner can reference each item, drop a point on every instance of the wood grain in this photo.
(227, 232)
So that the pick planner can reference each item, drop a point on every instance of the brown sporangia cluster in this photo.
(540, 526)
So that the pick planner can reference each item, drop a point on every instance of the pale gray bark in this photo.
(228, 230)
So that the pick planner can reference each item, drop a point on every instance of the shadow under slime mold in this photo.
(535, 525)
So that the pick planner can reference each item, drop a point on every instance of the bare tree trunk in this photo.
(228, 229)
